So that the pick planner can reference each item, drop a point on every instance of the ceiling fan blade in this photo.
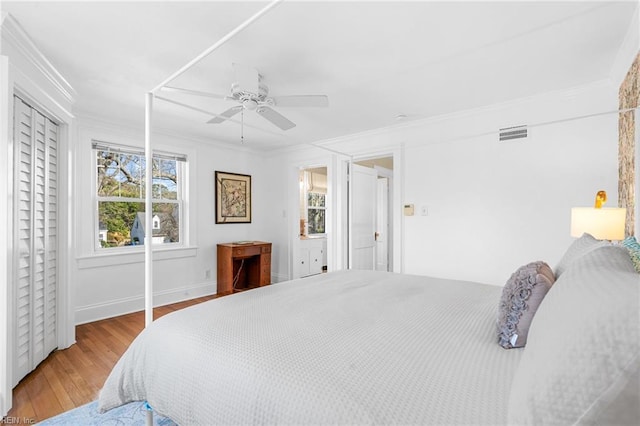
(275, 117)
(226, 115)
(301, 101)
(247, 78)
(192, 92)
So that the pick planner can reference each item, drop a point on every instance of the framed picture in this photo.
(233, 198)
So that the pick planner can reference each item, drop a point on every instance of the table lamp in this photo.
(602, 223)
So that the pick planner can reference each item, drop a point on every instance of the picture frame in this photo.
(233, 197)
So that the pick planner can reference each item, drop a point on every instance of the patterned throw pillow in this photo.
(521, 296)
(634, 250)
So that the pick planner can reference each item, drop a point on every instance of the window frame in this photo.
(182, 164)
(324, 208)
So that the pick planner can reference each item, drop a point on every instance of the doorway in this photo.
(372, 215)
(310, 257)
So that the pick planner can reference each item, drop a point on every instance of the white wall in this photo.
(26, 72)
(109, 283)
(495, 206)
(284, 227)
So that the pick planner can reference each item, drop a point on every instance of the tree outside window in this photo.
(316, 213)
(120, 189)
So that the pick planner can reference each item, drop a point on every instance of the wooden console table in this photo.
(243, 265)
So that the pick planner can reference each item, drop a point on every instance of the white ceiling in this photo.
(375, 60)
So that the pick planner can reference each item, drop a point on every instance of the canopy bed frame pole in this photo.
(148, 236)
(148, 229)
(148, 210)
(148, 232)
(219, 43)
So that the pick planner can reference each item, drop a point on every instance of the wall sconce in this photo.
(601, 223)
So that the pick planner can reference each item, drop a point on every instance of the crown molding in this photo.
(396, 129)
(16, 36)
(132, 130)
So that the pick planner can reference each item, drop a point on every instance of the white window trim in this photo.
(117, 255)
(307, 207)
(134, 255)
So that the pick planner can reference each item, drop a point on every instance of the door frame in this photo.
(27, 73)
(396, 197)
(294, 213)
(382, 219)
(6, 218)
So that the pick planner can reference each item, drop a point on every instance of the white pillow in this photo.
(583, 346)
(578, 248)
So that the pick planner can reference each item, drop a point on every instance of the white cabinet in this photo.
(313, 256)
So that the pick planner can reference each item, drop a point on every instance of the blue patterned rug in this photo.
(134, 413)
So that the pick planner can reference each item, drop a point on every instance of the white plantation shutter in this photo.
(51, 260)
(35, 237)
(23, 138)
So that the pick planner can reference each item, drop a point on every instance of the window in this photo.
(316, 212)
(120, 191)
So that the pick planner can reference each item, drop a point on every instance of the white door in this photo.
(363, 217)
(35, 238)
(382, 225)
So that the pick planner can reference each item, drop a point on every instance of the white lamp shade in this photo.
(603, 223)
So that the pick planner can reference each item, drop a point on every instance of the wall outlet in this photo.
(207, 274)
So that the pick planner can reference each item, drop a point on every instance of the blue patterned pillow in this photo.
(634, 250)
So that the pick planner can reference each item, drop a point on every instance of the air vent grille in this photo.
(510, 133)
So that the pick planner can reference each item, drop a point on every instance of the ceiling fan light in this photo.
(250, 104)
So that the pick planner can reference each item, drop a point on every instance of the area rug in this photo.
(134, 413)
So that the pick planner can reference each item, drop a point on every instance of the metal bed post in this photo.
(148, 229)
(148, 234)
(219, 43)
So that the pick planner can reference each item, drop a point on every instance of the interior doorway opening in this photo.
(372, 214)
(311, 256)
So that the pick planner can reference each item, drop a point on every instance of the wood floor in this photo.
(73, 377)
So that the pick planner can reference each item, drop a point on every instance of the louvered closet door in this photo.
(36, 142)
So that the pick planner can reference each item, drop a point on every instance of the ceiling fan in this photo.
(251, 94)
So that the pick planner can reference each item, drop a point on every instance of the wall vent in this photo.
(510, 133)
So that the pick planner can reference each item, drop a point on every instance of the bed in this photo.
(363, 347)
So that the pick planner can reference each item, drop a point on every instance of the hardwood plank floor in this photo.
(74, 376)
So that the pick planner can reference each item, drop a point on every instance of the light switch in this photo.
(424, 210)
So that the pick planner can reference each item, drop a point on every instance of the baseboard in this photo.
(278, 278)
(127, 305)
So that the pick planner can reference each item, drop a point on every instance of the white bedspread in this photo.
(345, 347)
